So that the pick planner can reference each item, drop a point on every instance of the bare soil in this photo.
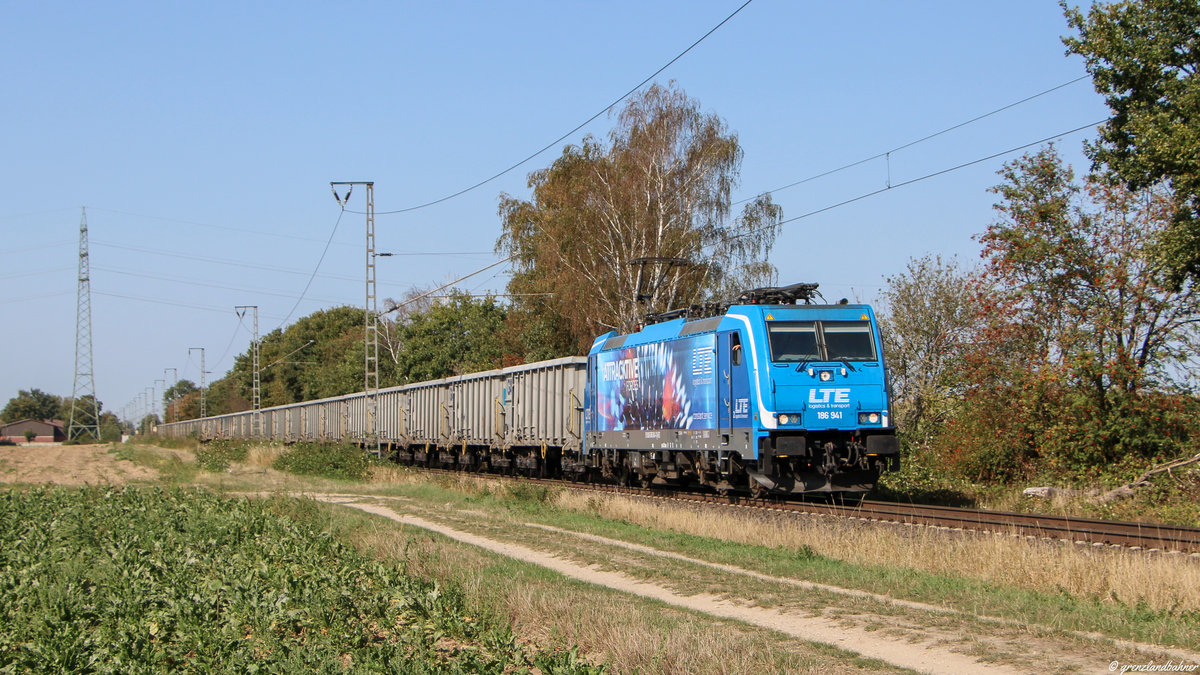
(68, 465)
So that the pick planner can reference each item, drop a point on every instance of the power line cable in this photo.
(39, 247)
(583, 124)
(898, 148)
(14, 216)
(242, 230)
(227, 228)
(256, 291)
(158, 301)
(55, 270)
(36, 297)
(218, 261)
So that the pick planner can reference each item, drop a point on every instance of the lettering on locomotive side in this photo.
(621, 369)
(829, 397)
(741, 407)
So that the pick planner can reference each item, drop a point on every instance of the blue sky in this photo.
(202, 138)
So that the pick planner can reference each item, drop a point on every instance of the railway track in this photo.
(1150, 537)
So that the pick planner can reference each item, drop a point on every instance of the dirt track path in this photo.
(925, 657)
(68, 465)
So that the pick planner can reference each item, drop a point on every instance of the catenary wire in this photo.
(447, 285)
(898, 148)
(312, 276)
(917, 180)
(232, 338)
(583, 124)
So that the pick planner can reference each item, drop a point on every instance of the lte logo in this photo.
(828, 395)
(741, 406)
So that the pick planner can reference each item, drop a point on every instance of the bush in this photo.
(217, 455)
(110, 433)
(342, 462)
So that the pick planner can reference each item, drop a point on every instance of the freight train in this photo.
(767, 394)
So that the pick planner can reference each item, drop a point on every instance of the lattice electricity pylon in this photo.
(85, 416)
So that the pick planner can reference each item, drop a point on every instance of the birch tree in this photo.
(641, 224)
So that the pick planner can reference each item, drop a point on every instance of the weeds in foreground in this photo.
(146, 580)
(219, 454)
(340, 462)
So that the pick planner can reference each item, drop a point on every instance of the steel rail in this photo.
(1152, 537)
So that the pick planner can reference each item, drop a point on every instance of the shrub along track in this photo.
(1149, 537)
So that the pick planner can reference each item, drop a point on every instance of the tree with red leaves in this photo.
(1077, 362)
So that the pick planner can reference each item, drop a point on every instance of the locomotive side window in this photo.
(735, 349)
(793, 341)
(848, 340)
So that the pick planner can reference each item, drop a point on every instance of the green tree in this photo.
(1144, 58)
(927, 322)
(1077, 357)
(658, 192)
(110, 428)
(223, 396)
(147, 424)
(34, 404)
(460, 335)
(174, 397)
(309, 359)
(179, 390)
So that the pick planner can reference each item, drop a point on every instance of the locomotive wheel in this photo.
(757, 489)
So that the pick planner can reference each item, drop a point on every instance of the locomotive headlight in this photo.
(868, 418)
(826, 376)
(784, 419)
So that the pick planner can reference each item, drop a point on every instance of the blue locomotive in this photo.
(769, 393)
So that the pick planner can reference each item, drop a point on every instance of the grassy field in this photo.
(1007, 599)
(1147, 598)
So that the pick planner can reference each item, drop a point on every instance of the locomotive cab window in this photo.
(802, 341)
(793, 341)
(735, 349)
(849, 340)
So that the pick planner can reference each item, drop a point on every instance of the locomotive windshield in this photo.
(794, 341)
(848, 340)
(799, 341)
